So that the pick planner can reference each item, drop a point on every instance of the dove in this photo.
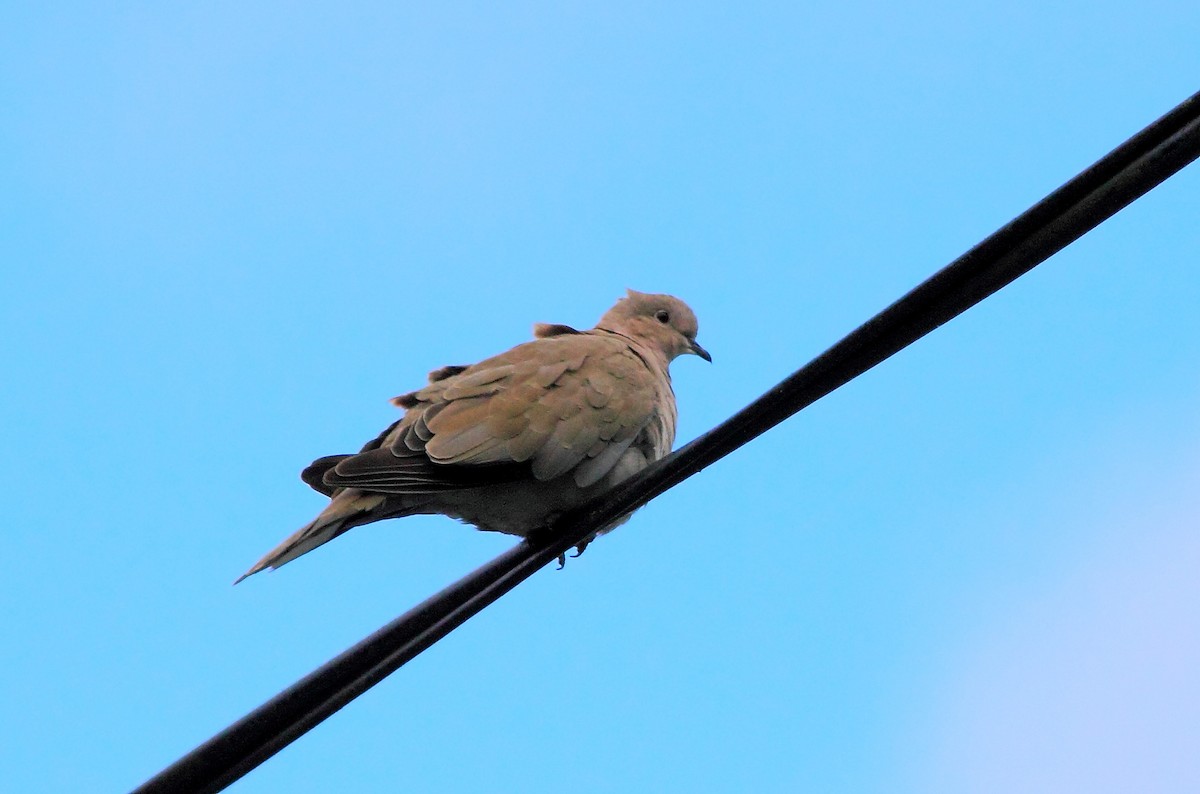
(513, 442)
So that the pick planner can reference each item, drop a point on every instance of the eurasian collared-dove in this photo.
(512, 442)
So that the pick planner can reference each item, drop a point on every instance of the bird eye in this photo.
(662, 316)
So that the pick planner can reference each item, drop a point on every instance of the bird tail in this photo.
(348, 509)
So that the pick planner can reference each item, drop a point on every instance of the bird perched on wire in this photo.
(516, 440)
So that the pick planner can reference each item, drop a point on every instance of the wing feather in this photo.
(569, 403)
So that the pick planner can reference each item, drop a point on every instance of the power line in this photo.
(1126, 173)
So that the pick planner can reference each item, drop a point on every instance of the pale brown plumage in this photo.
(512, 442)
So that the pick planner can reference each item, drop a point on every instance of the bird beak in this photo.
(704, 354)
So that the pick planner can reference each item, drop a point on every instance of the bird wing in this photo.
(568, 402)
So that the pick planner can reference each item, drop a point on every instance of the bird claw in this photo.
(562, 558)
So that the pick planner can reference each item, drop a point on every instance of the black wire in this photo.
(1080, 205)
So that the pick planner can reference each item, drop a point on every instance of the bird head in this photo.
(662, 322)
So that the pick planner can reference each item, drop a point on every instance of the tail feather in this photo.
(348, 509)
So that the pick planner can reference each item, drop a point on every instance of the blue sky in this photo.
(231, 232)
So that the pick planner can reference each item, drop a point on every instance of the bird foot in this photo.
(562, 558)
